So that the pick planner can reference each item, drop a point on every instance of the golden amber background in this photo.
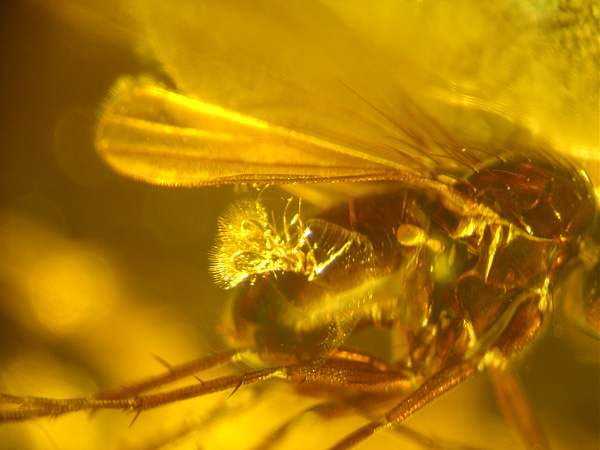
(98, 273)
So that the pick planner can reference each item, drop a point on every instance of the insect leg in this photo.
(175, 373)
(344, 407)
(347, 370)
(31, 407)
(429, 443)
(433, 388)
(515, 406)
(323, 410)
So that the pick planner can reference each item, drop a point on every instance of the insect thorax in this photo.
(451, 284)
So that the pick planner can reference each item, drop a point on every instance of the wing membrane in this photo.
(162, 137)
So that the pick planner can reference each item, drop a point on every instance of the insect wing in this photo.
(166, 138)
(325, 81)
(301, 93)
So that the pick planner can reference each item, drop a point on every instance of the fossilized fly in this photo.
(463, 216)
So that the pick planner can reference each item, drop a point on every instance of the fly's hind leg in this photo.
(175, 373)
(343, 370)
(325, 410)
(433, 388)
(516, 408)
(126, 398)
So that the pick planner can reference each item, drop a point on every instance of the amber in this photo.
(437, 214)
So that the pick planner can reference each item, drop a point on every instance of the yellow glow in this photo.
(89, 294)
(70, 289)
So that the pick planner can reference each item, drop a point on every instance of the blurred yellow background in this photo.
(98, 273)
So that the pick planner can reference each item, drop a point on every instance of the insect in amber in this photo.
(468, 217)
